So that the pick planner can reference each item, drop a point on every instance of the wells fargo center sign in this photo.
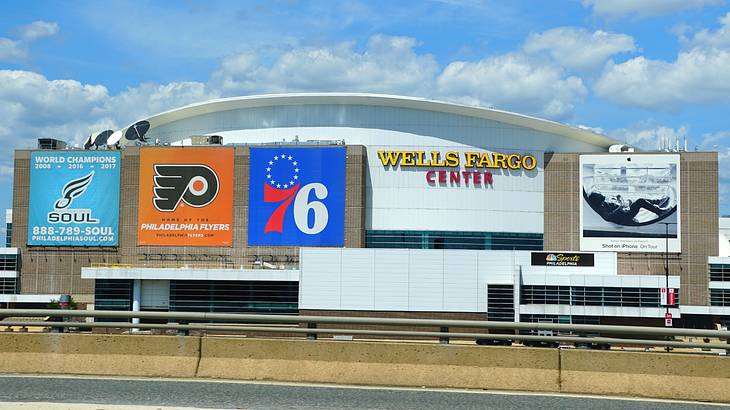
(446, 168)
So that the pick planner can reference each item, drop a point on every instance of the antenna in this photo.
(88, 142)
(114, 138)
(137, 131)
(100, 139)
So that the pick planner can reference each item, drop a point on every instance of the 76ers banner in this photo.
(185, 196)
(297, 196)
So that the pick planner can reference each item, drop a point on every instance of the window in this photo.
(591, 296)
(719, 272)
(454, 240)
(500, 303)
(234, 296)
(9, 262)
(719, 297)
(113, 294)
(8, 286)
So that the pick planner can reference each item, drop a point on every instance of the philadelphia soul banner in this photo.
(74, 198)
(297, 196)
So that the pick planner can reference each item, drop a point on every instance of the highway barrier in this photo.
(691, 372)
(655, 375)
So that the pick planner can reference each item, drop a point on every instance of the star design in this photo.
(271, 172)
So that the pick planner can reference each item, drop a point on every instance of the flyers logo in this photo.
(196, 185)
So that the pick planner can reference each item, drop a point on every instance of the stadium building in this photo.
(359, 204)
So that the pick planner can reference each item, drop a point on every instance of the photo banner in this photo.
(297, 196)
(630, 203)
(74, 198)
(185, 196)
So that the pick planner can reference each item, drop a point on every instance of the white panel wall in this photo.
(450, 280)
(357, 286)
(391, 279)
(426, 280)
(321, 288)
(461, 280)
(155, 294)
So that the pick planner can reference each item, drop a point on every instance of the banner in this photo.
(185, 196)
(74, 198)
(561, 259)
(297, 196)
(630, 203)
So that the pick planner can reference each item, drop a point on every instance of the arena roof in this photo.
(243, 102)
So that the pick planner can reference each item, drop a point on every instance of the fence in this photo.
(312, 327)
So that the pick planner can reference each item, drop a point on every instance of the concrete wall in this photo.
(699, 231)
(658, 375)
(59, 353)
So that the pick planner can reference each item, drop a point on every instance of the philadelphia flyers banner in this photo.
(185, 196)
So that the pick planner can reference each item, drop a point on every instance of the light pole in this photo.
(666, 266)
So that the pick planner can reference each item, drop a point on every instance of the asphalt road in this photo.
(240, 395)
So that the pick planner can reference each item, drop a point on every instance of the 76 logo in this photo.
(302, 206)
(282, 185)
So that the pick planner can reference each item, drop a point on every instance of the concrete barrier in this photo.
(381, 363)
(659, 375)
(126, 355)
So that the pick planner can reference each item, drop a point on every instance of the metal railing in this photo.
(311, 326)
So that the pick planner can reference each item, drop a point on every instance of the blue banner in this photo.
(74, 198)
(297, 196)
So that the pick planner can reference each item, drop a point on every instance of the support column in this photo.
(136, 297)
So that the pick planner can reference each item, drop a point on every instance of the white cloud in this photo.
(578, 48)
(386, 65)
(698, 74)
(514, 82)
(37, 29)
(150, 98)
(11, 51)
(34, 106)
(613, 9)
(646, 136)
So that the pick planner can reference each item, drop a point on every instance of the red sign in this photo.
(670, 297)
(668, 319)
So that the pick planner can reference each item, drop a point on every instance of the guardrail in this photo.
(310, 326)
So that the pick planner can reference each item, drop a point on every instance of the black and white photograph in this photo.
(630, 203)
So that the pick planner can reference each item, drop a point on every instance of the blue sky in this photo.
(634, 70)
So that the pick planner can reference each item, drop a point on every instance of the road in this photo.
(113, 392)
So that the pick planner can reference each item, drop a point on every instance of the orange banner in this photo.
(185, 196)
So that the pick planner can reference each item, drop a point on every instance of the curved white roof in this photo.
(268, 100)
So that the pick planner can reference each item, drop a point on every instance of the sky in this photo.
(639, 71)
